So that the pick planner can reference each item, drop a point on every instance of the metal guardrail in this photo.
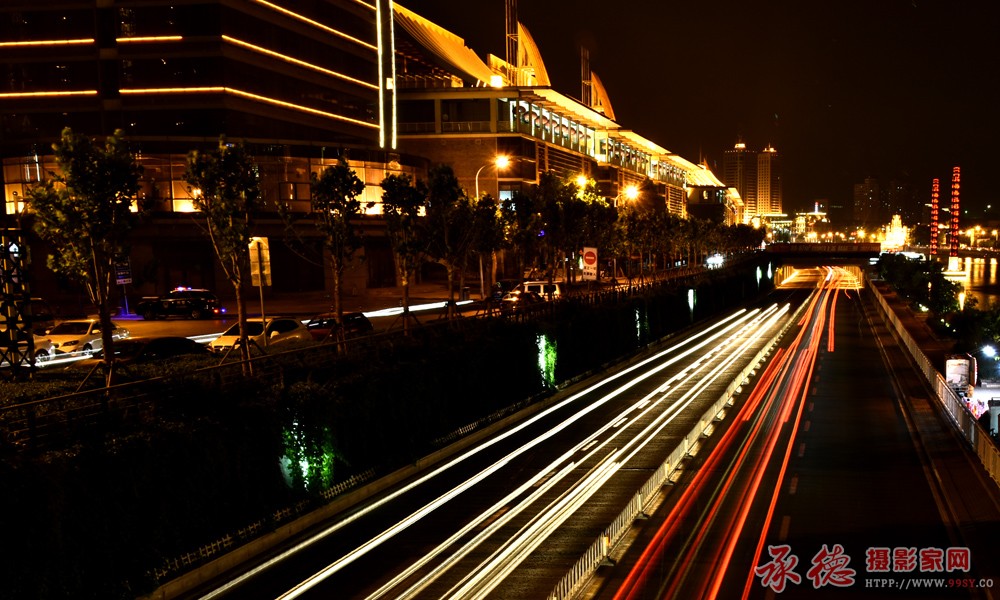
(48, 422)
(954, 408)
(599, 553)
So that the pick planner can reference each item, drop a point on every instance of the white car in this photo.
(81, 336)
(548, 291)
(44, 349)
(280, 331)
(42, 352)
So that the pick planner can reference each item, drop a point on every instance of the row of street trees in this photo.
(88, 210)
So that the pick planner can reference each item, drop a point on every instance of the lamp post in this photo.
(501, 162)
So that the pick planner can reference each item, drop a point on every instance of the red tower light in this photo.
(935, 193)
(955, 186)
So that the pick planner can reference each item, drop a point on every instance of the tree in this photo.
(598, 228)
(227, 192)
(402, 204)
(336, 208)
(556, 201)
(522, 221)
(449, 225)
(487, 236)
(86, 212)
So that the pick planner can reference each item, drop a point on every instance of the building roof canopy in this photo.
(445, 45)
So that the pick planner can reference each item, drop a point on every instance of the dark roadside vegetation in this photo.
(969, 326)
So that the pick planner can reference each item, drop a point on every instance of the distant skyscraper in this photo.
(739, 170)
(901, 199)
(867, 203)
(769, 199)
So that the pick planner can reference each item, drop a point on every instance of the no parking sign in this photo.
(590, 264)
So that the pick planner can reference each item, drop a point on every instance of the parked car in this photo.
(279, 331)
(44, 349)
(41, 353)
(140, 350)
(181, 302)
(502, 286)
(519, 302)
(325, 325)
(81, 336)
(545, 289)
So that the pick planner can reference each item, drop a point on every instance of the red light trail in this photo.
(714, 511)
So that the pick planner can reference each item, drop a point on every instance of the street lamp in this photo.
(501, 162)
(630, 192)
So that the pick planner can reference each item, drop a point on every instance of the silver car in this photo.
(81, 336)
(280, 331)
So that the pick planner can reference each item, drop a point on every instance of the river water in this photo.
(983, 282)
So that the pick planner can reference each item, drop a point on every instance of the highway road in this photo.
(838, 479)
(830, 473)
(510, 513)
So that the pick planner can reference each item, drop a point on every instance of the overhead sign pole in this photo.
(260, 273)
(123, 276)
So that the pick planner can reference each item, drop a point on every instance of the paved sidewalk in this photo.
(935, 348)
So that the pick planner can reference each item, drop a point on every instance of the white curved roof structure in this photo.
(600, 100)
(530, 59)
(445, 45)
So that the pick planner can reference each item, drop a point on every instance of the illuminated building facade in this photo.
(296, 84)
(458, 109)
(739, 170)
(769, 200)
(299, 83)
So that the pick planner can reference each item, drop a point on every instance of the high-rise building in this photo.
(901, 199)
(298, 84)
(769, 201)
(739, 170)
(868, 204)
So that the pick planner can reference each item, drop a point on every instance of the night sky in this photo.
(844, 90)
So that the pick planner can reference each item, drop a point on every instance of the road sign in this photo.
(123, 271)
(260, 262)
(590, 264)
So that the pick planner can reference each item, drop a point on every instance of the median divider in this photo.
(599, 553)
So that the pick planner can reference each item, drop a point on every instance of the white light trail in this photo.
(716, 330)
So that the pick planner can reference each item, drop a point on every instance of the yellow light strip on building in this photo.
(241, 93)
(317, 24)
(48, 43)
(299, 107)
(296, 61)
(150, 38)
(392, 53)
(46, 94)
(192, 90)
(381, 76)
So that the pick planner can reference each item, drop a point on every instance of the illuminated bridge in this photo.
(825, 253)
